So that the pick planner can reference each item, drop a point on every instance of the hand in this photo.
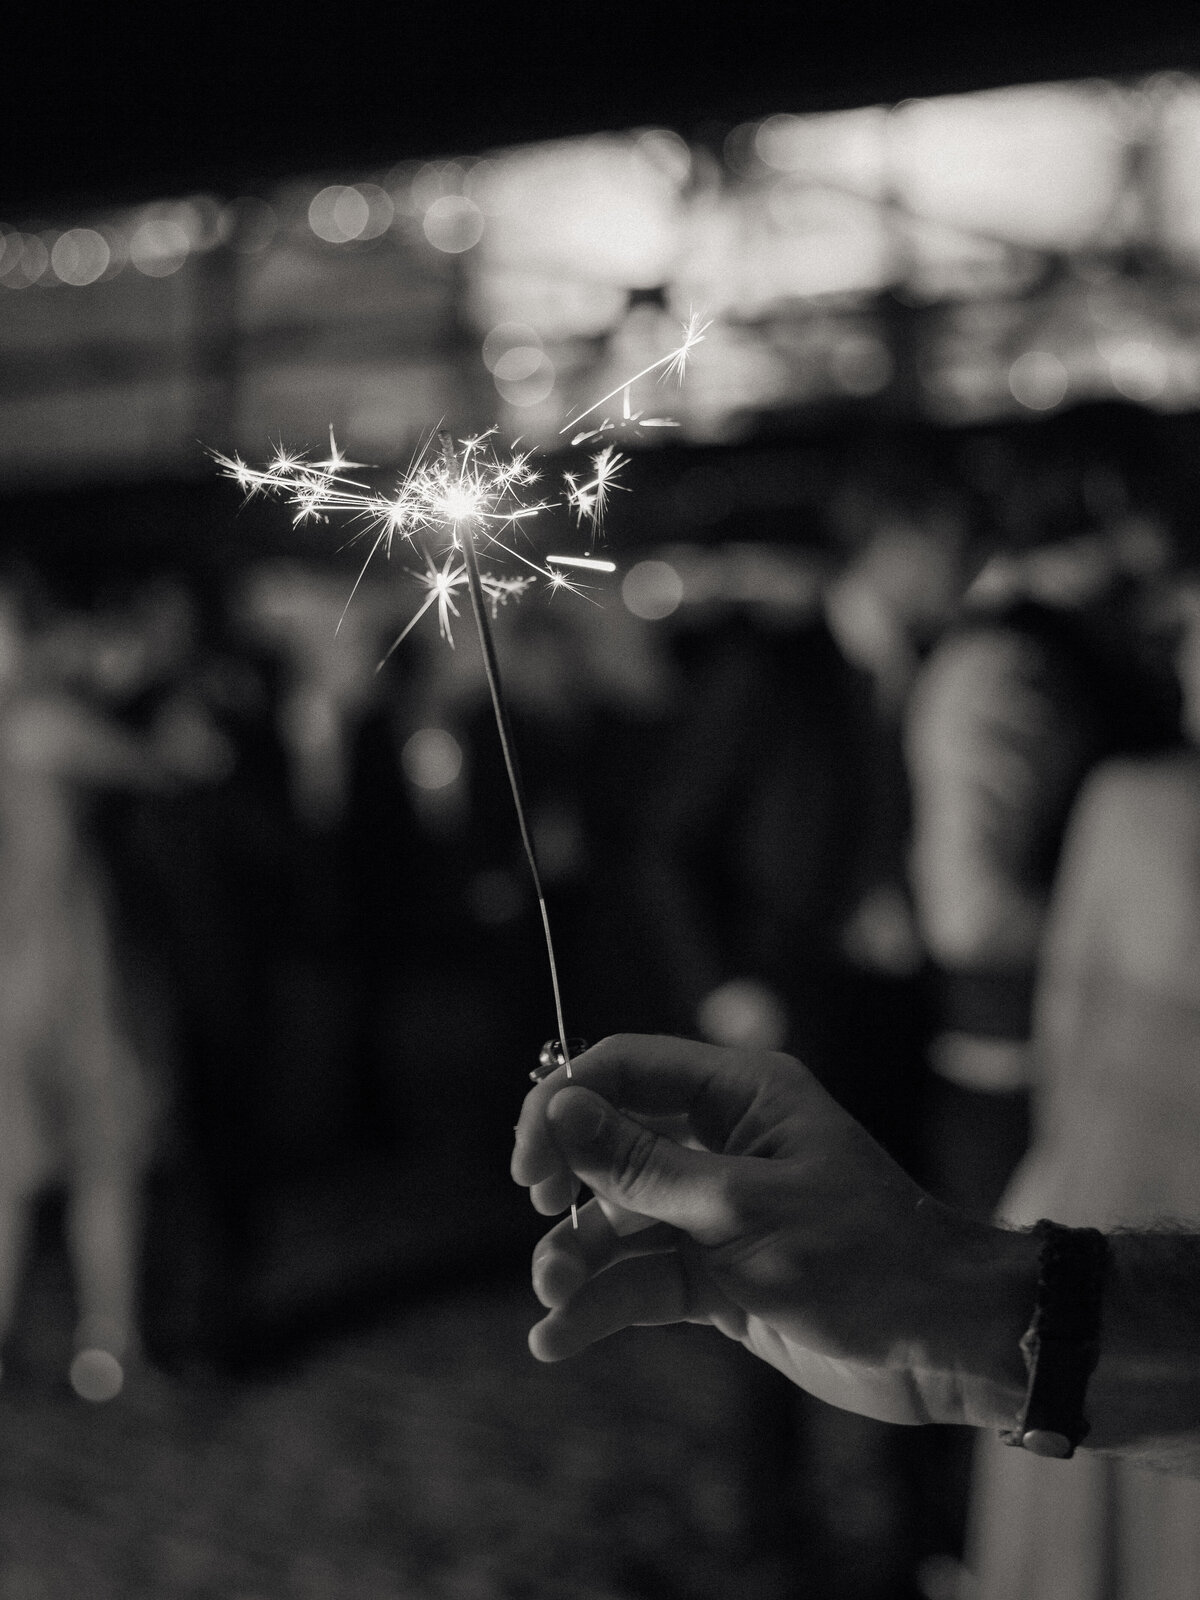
(783, 1225)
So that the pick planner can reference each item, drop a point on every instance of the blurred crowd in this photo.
(910, 791)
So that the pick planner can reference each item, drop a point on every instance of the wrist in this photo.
(980, 1293)
(1144, 1397)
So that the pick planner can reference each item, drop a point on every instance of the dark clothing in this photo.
(782, 807)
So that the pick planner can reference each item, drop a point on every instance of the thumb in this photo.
(624, 1162)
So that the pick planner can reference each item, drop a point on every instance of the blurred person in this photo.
(774, 856)
(774, 851)
(1050, 666)
(1116, 1143)
(329, 649)
(78, 1104)
(729, 1189)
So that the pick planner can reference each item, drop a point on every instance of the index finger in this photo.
(649, 1073)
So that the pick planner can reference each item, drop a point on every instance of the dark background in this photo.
(125, 103)
(343, 1404)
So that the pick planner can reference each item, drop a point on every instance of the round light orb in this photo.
(532, 380)
(97, 1375)
(80, 256)
(652, 590)
(453, 224)
(1038, 380)
(159, 246)
(431, 758)
(505, 337)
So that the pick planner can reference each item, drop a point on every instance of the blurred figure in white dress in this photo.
(77, 1105)
(1116, 1141)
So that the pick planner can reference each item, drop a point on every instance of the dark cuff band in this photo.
(1062, 1344)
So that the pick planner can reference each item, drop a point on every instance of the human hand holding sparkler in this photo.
(774, 1217)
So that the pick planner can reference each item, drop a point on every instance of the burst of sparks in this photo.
(673, 364)
(484, 491)
(589, 500)
(491, 492)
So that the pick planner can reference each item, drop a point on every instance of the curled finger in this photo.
(640, 1291)
(568, 1256)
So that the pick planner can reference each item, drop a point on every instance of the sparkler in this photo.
(448, 504)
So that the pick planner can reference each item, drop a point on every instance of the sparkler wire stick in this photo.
(491, 667)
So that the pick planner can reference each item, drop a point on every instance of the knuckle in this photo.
(731, 1200)
(637, 1167)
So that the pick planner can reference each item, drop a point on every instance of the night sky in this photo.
(126, 104)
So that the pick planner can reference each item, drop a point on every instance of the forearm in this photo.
(1144, 1396)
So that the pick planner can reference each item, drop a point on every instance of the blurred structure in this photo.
(961, 258)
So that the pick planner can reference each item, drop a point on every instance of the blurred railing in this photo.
(960, 258)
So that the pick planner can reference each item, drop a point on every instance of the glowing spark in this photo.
(590, 500)
(335, 462)
(693, 332)
(673, 365)
(582, 561)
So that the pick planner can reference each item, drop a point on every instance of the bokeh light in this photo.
(338, 213)
(524, 376)
(453, 224)
(1038, 380)
(519, 363)
(431, 758)
(26, 259)
(1038, 164)
(652, 590)
(668, 152)
(601, 209)
(506, 337)
(80, 256)
(96, 1375)
(250, 224)
(159, 246)
(381, 210)
(523, 373)
(1139, 369)
(435, 180)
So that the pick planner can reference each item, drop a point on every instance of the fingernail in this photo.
(577, 1114)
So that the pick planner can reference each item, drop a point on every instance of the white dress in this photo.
(1117, 1141)
(73, 1097)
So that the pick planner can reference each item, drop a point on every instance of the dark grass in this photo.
(411, 1450)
